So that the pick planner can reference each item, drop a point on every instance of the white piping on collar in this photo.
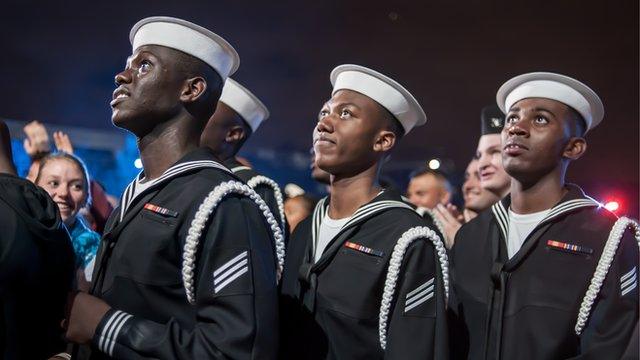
(240, 168)
(129, 194)
(363, 212)
(502, 217)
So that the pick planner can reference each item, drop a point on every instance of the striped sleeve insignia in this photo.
(419, 295)
(233, 276)
(628, 281)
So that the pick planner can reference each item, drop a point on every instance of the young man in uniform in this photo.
(238, 116)
(492, 174)
(172, 280)
(493, 180)
(531, 278)
(342, 297)
(36, 265)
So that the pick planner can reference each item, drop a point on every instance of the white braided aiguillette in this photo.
(415, 233)
(200, 219)
(608, 253)
(260, 179)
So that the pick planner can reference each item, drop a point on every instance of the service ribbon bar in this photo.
(160, 210)
(363, 249)
(569, 247)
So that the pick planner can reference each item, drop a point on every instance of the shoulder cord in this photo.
(202, 215)
(260, 179)
(415, 233)
(602, 268)
(436, 221)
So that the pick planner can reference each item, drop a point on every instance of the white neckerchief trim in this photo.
(239, 168)
(362, 212)
(502, 216)
(129, 194)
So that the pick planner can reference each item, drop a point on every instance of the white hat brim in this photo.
(221, 42)
(414, 106)
(596, 108)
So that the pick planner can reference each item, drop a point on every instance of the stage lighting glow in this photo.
(138, 163)
(434, 164)
(612, 205)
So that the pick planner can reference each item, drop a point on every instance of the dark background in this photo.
(59, 60)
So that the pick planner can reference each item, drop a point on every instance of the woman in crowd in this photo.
(64, 176)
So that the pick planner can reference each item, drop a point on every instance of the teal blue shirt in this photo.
(85, 242)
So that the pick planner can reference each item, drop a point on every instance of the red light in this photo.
(612, 206)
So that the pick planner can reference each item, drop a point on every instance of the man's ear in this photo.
(235, 134)
(575, 148)
(193, 89)
(385, 141)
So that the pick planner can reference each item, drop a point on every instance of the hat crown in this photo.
(561, 88)
(245, 103)
(189, 38)
(492, 120)
(383, 90)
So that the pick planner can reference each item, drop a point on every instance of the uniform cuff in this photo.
(108, 329)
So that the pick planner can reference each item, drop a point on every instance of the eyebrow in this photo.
(545, 110)
(517, 109)
(342, 104)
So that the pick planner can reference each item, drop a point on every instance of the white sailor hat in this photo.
(242, 101)
(564, 89)
(189, 38)
(382, 89)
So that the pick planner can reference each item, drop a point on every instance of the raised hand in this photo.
(37, 139)
(62, 141)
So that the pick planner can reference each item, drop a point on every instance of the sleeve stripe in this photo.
(220, 278)
(230, 263)
(629, 288)
(628, 281)
(628, 275)
(420, 288)
(229, 280)
(116, 333)
(111, 331)
(107, 329)
(419, 295)
(406, 309)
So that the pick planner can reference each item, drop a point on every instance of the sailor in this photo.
(185, 268)
(547, 272)
(492, 174)
(364, 277)
(238, 116)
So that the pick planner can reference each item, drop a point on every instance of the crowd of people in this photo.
(203, 257)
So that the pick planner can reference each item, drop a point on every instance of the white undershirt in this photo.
(141, 185)
(328, 229)
(520, 226)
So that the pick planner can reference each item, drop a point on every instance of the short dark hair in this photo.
(190, 66)
(440, 176)
(579, 125)
(393, 123)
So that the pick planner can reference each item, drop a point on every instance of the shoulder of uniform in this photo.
(475, 226)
